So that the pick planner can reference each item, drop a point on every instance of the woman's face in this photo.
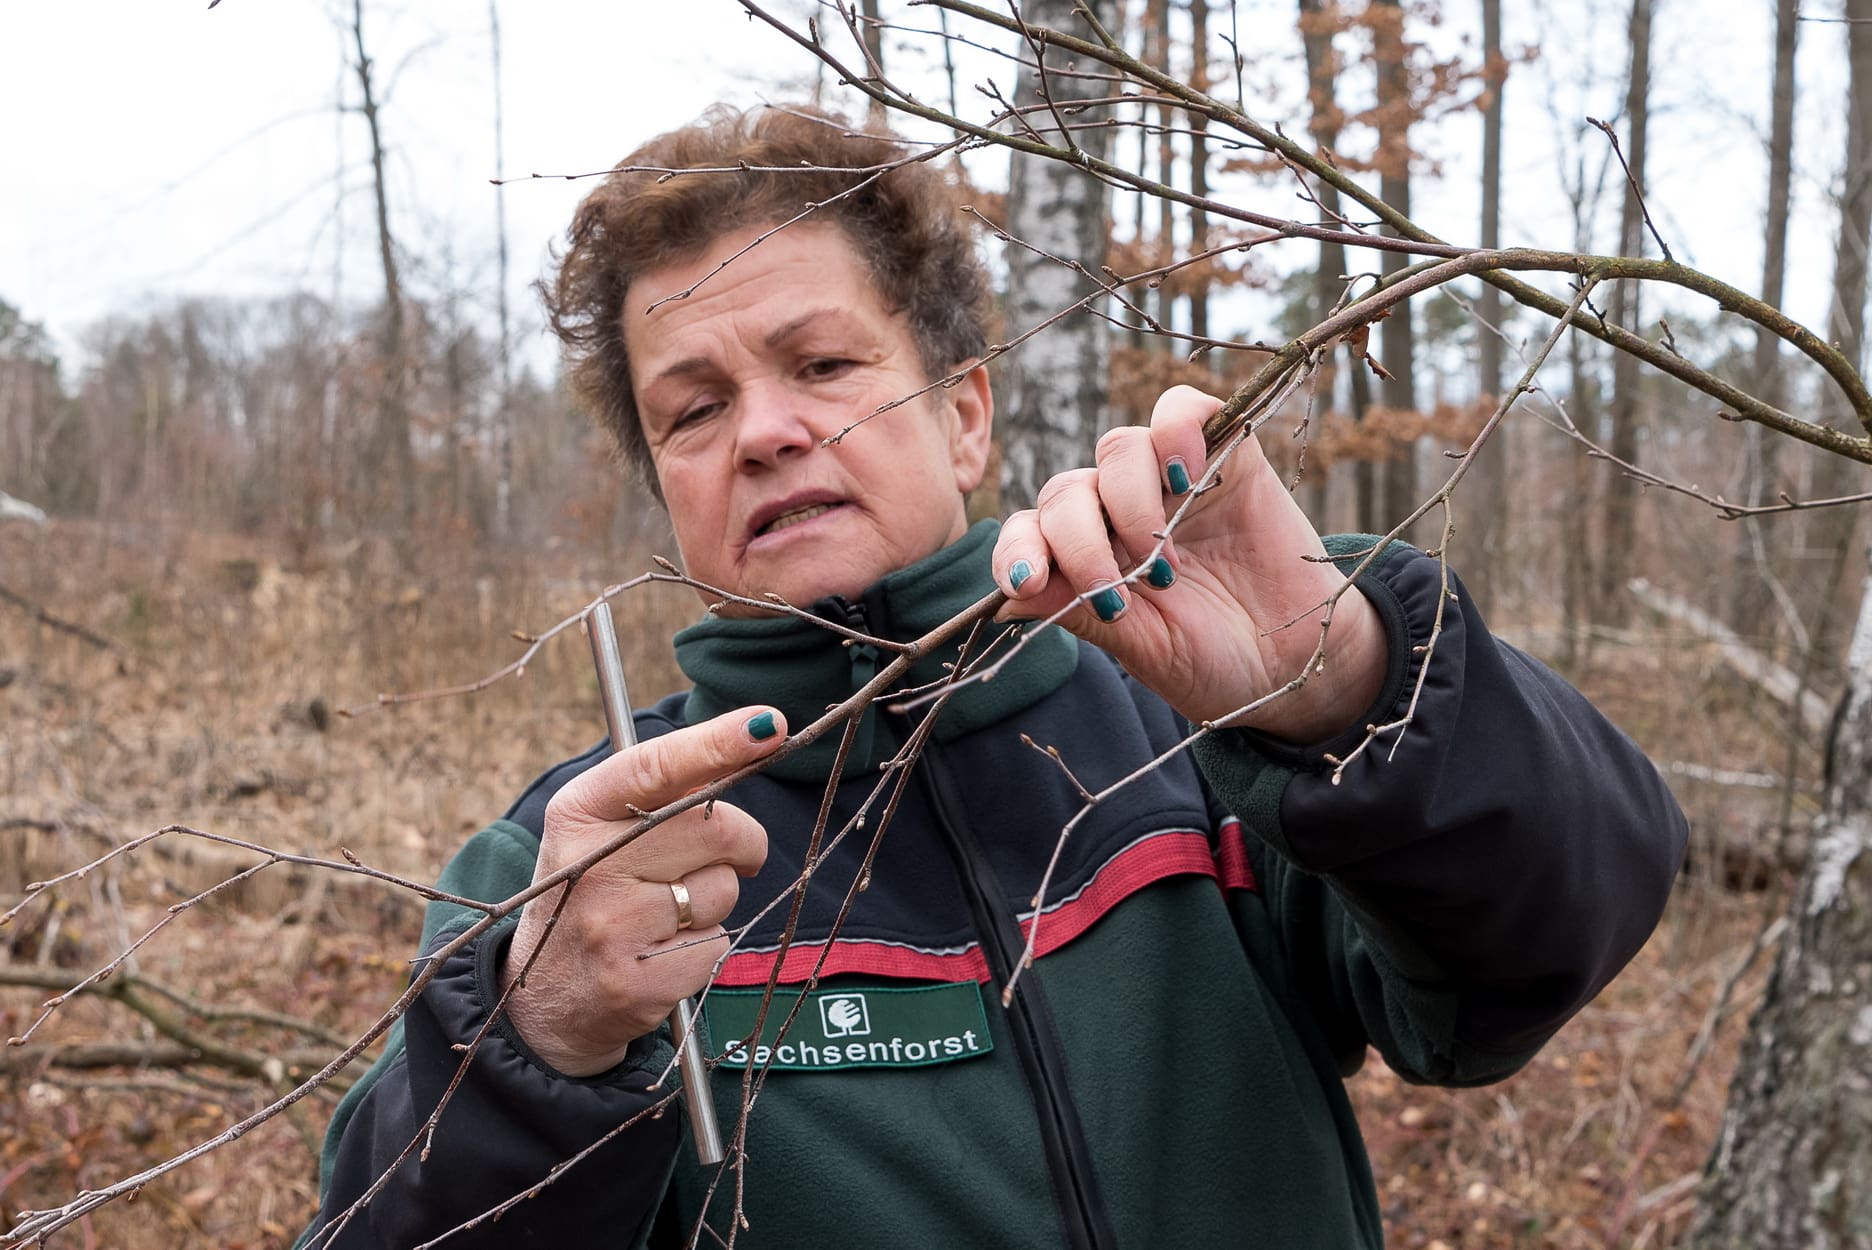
(739, 384)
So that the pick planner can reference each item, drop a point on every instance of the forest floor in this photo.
(217, 705)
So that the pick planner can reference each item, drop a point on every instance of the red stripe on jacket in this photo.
(1150, 859)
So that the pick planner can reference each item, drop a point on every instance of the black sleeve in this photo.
(1463, 889)
(508, 1124)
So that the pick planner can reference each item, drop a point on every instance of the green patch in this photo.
(850, 1027)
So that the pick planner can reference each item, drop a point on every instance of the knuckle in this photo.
(1060, 485)
(740, 838)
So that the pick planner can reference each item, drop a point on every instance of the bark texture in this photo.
(1791, 1165)
(1053, 391)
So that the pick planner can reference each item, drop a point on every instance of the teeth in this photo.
(796, 516)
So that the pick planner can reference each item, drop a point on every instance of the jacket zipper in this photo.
(1069, 1160)
(1082, 1212)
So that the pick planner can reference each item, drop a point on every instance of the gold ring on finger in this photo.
(684, 916)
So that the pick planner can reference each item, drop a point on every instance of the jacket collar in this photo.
(802, 669)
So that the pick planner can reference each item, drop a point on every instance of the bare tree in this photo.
(1324, 120)
(1797, 1140)
(1621, 499)
(1054, 398)
(503, 416)
(1483, 533)
(391, 440)
(1390, 52)
(1752, 600)
(1796, 1144)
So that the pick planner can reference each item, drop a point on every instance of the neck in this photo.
(803, 668)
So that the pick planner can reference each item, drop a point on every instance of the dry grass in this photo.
(213, 714)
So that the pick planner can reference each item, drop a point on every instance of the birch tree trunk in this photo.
(1791, 1163)
(1053, 391)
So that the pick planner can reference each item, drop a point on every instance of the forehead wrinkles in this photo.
(757, 294)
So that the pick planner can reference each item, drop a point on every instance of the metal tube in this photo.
(623, 730)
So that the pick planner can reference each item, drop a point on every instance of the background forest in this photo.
(242, 498)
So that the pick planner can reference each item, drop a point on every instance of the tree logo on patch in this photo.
(844, 1015)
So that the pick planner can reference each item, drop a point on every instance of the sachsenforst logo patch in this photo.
(901, 1026)
(845, 1015)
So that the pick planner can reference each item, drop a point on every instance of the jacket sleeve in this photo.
(1462, 889)
(508, 1124)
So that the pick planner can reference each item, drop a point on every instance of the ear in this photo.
(973, 402)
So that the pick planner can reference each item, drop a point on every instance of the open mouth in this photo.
(795, 516)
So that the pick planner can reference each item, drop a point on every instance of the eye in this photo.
(697, 413)
(825, 368)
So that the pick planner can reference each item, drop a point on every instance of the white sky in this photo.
(153, 148)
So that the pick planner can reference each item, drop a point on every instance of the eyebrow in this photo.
(701, 364)
(787, 331)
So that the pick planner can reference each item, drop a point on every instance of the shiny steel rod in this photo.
(623, 730)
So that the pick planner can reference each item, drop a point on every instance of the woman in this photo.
(1168, 1072)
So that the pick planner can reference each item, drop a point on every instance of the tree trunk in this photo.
(1622, 492)
(1323, 120)
(503, 417)
(1396, 332)
(1168, 118)
(1795, 1150)
(1199, 167)
(1576, 520)
(1835, 527)
(1053, 389)
(390, 440)
(871, 27)
(1791, 1163)
(1482, 519)
(1749, 612)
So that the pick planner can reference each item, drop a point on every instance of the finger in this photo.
(680, 967)
(1131, 494)
(714, 889)
(1020, 563)
(711, 833)
(651, 774)
(1078, 542)
(711, 890)
(1176, 433)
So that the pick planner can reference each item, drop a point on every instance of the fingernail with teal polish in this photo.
(1108, 604)
(1161, 575)
(1019, 573)
(762, 727)
(1178, 475)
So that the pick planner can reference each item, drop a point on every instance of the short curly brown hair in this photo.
(777, 162)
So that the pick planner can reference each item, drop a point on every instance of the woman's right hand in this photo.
(590, 992)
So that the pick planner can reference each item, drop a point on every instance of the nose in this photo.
(772, 425)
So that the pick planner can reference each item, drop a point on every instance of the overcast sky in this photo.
(154, 148)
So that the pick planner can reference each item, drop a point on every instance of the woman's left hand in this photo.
(1233, 610)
